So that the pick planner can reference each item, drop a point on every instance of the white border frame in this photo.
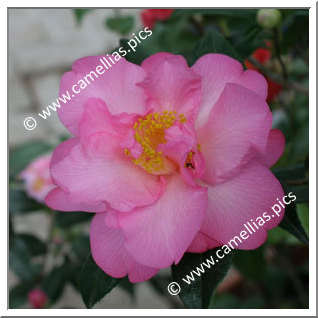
(312, 164)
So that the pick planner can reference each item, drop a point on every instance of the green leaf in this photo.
(214, 42)
(81, 246)
(53, 284)
(253, 38)
(134, 57)
(250, 263)
(291, 222)
(20, 203)
(302, 193)
(121, 25)
(198, 293)
(94, 283)
(294, 172)
(129, 287)
(80, 13)
(35, 245)
(19, 293)
(20, 260)
(66, 220)
(21, 156)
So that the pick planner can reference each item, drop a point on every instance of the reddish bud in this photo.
(37, 298)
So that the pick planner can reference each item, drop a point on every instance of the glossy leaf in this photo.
(35, 245)
(214, 42)
(80, 13)
(20, 203)
(121, 25)
(65, 220)
(21, 156)
(291, 222)
(54, 283)
(94, 283)
(198, 293)
(20, 260)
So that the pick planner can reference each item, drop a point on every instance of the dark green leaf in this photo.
(136, 56)
(121, 25)
(253, 38)
(65, 220)
(160, 283)
(81, 247)
(21, 156)
(294, 172)
(80, 13)
(197, 293)
(20, 203)
(250, 263)
(291, 222)
(214, 42)
(20, 260)
(53, 284)
(302, 193)
(19, 293)
(35, 245)
(94, 283)
(129, 287)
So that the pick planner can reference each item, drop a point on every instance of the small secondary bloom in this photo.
(263, 55)
(37, 298)
(172, 158)
(149, 17)
(37, 178)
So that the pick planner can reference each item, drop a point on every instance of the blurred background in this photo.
(47, 249)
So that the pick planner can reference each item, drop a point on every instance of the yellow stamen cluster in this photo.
(38, 184)
(149, 133)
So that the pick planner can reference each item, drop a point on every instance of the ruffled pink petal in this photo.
(154, 60)
(159, 234)
(102, 176)
(180, 142)
(172, 85)
(238, 125)
(98, 120)
(216, 71)
(108, 251)
(62, 150)
(274, 149)
(244, 198)
(202, 243)
(116, 87)
(59, 200)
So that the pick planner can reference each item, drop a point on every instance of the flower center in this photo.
(149, 133)
(38, 184)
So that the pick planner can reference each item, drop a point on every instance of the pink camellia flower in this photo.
(37, 298)
(172, 158)
(37, 178)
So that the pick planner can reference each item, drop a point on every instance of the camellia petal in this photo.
(216, 71)
(109, 253)
(158, 235)
(242, 199)
(274, 149)
(105, 179)
(57, 199)
(172, 85)
(116, 87)
(238, 125)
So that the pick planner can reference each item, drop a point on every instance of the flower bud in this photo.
(37, 298)
(269, 18)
